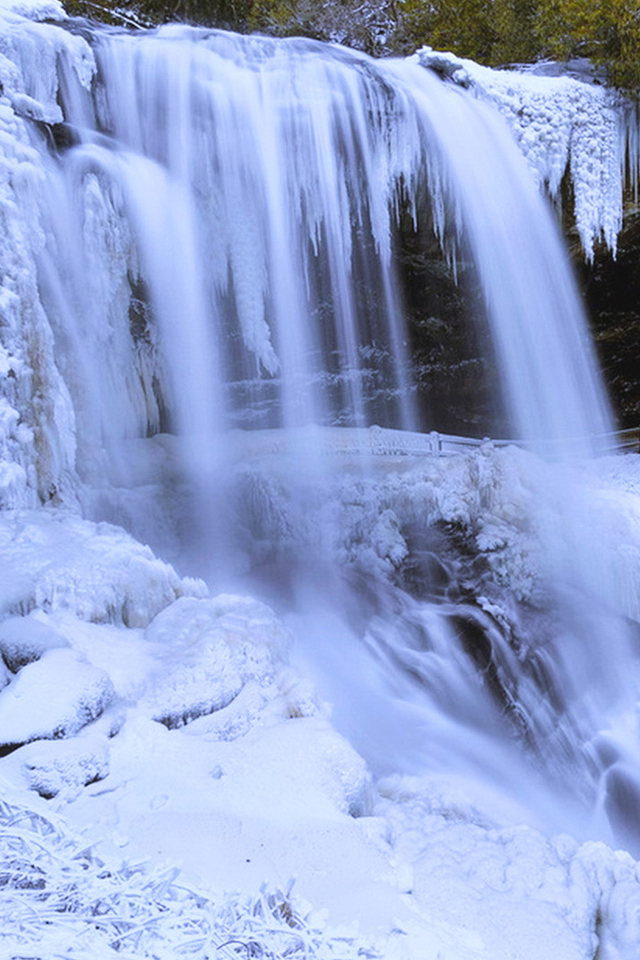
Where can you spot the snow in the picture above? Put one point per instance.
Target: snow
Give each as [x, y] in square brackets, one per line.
[58, 897]
[55, 561]
[52, 698]
[563, 126]
[262, 789]
[172, 727]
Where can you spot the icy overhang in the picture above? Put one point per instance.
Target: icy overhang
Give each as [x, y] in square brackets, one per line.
[562, 125]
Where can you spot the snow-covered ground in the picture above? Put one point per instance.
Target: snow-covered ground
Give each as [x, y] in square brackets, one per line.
[169, 728]
[148, 727]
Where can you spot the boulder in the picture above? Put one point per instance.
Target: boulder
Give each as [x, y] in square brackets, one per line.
[25, 639]
[206, 651]
[52, 698]
[52, 766]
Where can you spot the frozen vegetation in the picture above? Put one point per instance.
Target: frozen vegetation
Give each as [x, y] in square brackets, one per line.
[60, 899]
[167, 768]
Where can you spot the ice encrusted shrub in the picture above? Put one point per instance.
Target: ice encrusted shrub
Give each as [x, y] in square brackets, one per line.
[58, 899]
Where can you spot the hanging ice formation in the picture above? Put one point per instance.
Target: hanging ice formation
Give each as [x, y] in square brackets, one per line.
[563, 126]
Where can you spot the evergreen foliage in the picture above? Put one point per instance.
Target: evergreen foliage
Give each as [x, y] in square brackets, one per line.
[493, 32]
[496, 32]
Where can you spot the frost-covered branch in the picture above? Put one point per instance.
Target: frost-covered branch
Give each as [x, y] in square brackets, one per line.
[58, 896]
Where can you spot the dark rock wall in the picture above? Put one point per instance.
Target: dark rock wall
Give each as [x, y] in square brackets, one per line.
[611, 288]
[450, 349]
[453, 367]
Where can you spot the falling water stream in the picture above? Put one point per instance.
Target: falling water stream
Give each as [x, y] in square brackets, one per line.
[220, 275]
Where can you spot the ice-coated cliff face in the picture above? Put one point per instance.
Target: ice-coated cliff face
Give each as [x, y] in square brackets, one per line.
[37, 422]
[564, 127]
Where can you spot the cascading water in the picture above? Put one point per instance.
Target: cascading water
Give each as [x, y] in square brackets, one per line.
[260, 181]
[219, 275]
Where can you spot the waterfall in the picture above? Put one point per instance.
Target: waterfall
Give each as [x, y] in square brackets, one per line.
[217, 263]
[252, 188]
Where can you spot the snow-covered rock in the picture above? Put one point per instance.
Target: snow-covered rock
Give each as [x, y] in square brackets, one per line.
[207, 650]
[34, 9]
[57, 562]
[525, 895]
[52, 698]
[25, 639]
[234, 720]
[52, 766]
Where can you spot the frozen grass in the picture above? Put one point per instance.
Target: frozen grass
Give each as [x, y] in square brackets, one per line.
[57, 899]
